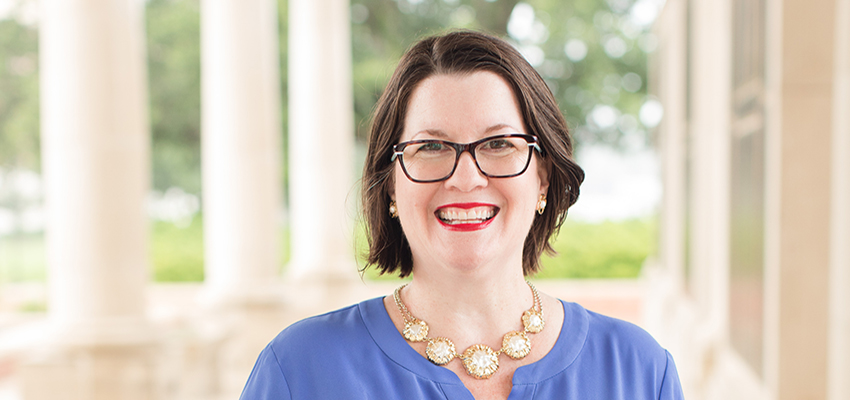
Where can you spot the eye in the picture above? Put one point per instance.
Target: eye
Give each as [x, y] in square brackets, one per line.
[432, 147]
[435, 149]
[497, 145]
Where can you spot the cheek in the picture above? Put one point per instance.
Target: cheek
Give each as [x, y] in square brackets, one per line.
[527, 202]
[403, 192]
[407, 195]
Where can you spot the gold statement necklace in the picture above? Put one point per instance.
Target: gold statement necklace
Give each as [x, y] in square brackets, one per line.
[479, 360]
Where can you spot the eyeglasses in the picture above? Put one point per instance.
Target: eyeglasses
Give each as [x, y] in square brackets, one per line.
[430, 160]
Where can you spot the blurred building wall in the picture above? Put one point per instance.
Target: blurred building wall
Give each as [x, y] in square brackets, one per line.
[755, 218]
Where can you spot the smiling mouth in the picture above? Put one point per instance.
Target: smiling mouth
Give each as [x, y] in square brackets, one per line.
[459, 216]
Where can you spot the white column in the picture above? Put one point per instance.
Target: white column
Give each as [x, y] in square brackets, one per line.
[839, 331]
[321, 141]
[671, 86]
[667, 311]
[710, 159]
[95, 151]
[800, 38]
[241, 148]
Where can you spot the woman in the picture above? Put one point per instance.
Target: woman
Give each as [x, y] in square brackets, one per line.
[468, 174]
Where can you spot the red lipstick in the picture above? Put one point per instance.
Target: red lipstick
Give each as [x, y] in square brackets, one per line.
[473, 224]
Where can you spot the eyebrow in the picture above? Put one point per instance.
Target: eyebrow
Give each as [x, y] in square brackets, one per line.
[434, 132]
[498, 127]
[442, 135]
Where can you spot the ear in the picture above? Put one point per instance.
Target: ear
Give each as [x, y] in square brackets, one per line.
[391, 185]
[543, 167]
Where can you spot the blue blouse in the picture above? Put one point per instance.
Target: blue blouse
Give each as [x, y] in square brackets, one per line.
[357, 353]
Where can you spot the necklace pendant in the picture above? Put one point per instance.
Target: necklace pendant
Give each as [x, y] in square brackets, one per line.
[480, 361]
[415, 330]
[440, 351]
[533, 321]
[516, 345]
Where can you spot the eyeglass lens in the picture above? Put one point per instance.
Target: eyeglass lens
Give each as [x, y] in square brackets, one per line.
[435, 159]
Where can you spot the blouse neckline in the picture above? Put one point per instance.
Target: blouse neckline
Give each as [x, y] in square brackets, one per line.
[570, 341]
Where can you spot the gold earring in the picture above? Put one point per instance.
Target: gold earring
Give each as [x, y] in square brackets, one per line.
[393, 209]
[541, 204]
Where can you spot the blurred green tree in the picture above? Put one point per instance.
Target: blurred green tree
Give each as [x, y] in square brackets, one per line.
[174, 76]
[592, 53]
[19, 127]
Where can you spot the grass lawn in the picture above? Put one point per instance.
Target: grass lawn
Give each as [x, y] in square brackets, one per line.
[601, 250]
[592, 250]
[22, 258]
[585, 250]
[177, 253]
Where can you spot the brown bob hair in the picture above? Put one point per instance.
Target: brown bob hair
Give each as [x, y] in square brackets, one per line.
[465, 52]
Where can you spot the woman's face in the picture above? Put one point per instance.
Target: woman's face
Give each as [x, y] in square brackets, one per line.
[468, 221]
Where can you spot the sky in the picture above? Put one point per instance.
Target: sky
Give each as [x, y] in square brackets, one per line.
[618, 184]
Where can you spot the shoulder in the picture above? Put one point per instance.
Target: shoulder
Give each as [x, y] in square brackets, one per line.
[296, 357]
[334, 354]
[628, 355]
[625, 336]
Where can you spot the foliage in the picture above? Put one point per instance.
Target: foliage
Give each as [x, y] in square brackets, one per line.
[174, 75]
[585, 250]
[592, 54]
[36, 306]
[601, 250]
[177, 253]
[22, 258]
[383, 29]
[19, 127]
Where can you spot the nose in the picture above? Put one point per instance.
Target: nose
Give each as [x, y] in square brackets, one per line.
[467, 176]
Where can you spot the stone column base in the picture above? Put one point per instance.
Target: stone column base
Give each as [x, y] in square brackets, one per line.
[247, 329]
[186, 361]
[100, 372]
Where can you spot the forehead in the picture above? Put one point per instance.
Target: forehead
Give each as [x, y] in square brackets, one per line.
[462, 106]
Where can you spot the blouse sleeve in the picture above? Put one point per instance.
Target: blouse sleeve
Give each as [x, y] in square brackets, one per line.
[267, 381]
[671, 388]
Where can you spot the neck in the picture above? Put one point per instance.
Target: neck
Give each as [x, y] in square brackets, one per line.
[469, 303]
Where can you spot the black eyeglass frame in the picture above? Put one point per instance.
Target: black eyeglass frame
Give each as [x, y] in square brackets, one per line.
[398, 152]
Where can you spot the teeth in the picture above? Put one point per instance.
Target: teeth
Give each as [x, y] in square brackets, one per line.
[472, 216]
